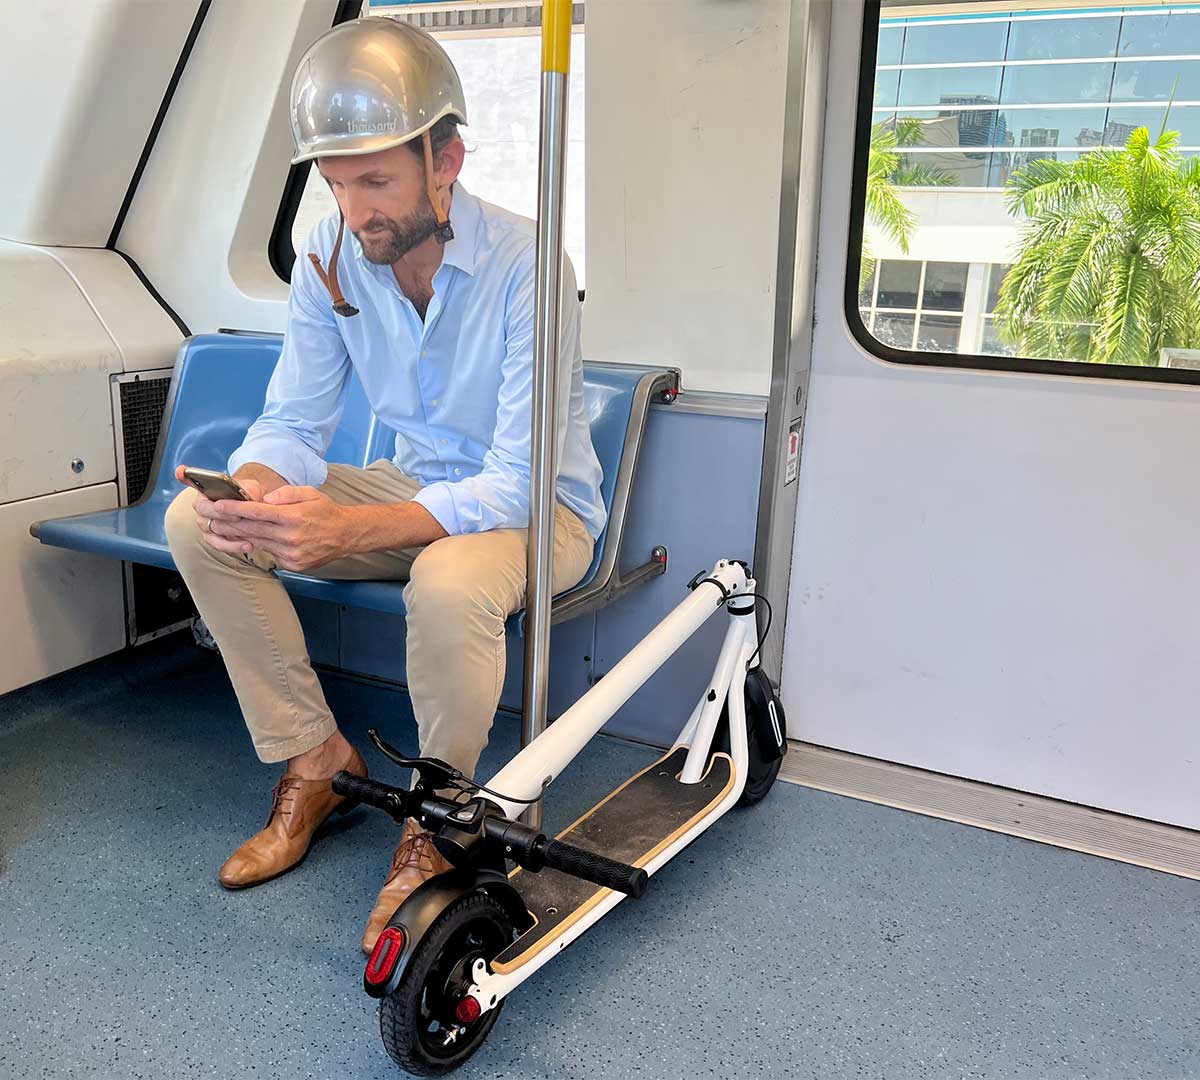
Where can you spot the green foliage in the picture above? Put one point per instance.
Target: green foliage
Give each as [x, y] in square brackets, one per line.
[887, 170]
[1109, 255]
[884, 208]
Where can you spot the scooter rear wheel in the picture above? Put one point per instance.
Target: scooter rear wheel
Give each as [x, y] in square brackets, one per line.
[420, 1030]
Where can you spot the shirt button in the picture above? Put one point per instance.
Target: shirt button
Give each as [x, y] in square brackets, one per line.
[458, 472]
[434, 401]
[442, 441]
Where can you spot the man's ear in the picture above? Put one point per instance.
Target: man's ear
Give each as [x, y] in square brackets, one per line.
[450, 162]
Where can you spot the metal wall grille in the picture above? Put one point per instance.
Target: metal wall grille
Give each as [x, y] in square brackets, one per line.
[472, 18]
[142, 405]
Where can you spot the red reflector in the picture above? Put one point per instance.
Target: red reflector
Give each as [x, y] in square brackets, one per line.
[468, 1010]
[384, 956]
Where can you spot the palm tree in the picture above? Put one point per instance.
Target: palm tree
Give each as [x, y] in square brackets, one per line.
[1109, 259]
[884, 209]
[887, 170]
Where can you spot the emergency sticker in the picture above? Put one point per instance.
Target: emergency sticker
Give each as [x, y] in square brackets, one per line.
[792, 466]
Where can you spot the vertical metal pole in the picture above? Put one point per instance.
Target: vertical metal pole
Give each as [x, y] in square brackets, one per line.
[543, 452]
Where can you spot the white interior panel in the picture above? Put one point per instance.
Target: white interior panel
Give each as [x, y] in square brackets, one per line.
[55, 362]
[993, 572]
[61, 608]
[684, 146]
[144, 333]
[201, 222]
[75, 124]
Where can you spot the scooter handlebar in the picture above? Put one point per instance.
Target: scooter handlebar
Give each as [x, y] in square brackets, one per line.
[526, 846]
[363, 790]
[598, 869]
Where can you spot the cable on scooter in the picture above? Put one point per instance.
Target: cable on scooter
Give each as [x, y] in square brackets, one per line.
[726, 597]
[766, 629]
[470, 787]
[443, 774]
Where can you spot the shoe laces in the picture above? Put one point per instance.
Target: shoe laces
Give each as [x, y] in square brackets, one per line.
[283, 792]
[416, 850]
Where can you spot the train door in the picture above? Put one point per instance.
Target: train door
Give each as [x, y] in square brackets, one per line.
[991, 563]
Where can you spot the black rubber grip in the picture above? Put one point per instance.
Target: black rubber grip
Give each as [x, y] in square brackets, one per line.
[371, 792]
[597, 869]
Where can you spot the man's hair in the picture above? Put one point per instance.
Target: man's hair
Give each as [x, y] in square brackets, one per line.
[441, 135]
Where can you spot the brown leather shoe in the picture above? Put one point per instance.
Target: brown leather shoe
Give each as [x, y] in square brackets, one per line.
[415, 862]
[298, 807]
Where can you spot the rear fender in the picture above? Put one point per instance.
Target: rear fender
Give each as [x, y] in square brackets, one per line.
[426, 902]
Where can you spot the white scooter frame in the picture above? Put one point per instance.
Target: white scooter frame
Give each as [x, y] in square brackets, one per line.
[525, 776]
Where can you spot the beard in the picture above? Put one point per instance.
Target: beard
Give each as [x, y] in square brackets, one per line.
[399, 238]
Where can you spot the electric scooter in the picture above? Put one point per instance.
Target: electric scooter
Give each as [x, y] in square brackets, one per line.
[464, 940]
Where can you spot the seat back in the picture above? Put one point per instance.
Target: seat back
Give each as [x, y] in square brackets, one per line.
[608, 396]
[220, 385]
[221, 382]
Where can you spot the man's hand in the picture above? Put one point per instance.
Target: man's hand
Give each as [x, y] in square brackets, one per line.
[300, 526]
[207, 516]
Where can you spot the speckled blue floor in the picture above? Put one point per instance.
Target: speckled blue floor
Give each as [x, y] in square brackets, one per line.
[814, 936]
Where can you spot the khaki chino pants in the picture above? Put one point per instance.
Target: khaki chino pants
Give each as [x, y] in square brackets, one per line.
[460, 591]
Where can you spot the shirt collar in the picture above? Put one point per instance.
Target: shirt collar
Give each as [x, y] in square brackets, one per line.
[459, 252]
[464, 217]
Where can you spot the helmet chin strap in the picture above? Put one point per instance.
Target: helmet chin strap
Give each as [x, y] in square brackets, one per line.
[443, 234]
[330, 279]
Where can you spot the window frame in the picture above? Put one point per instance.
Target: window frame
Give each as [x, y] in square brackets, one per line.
[281, 253]
[857, 226]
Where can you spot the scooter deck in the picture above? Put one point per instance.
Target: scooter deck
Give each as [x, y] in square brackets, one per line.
[646, 814]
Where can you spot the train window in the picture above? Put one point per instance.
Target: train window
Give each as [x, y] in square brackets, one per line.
[497, 51]
[1027, 186]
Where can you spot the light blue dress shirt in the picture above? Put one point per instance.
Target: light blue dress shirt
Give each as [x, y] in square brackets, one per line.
[457, 388]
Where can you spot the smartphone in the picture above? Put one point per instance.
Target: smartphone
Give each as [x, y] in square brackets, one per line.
[215, 485]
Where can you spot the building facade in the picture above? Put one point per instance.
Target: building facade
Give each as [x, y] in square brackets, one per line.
[973, 97]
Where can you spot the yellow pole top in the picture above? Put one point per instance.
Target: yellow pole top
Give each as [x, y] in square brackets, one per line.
[556, 35]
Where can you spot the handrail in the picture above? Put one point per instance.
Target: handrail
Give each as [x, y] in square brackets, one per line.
[608, 582]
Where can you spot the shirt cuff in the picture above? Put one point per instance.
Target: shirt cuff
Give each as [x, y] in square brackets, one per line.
[438, 499]
[294, 461]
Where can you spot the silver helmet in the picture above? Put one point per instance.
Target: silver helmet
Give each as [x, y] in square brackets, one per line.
[365, 86]
[368, 85]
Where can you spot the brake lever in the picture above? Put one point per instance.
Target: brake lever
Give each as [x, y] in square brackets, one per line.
[432, 773]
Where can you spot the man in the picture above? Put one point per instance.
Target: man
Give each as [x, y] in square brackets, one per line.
[431, 302]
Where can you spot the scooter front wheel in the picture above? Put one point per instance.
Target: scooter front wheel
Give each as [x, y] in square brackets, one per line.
[420, 1029]
[762, 766]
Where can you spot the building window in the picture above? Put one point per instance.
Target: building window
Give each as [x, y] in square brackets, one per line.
[915, 305]
[992, 342]
[497, 53]
[985, 83]
[1005, 141]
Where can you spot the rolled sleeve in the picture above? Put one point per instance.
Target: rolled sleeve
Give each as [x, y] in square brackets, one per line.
[439, 500]
[282, 453]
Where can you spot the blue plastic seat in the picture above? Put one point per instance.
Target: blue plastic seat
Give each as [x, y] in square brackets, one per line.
[217, 391]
